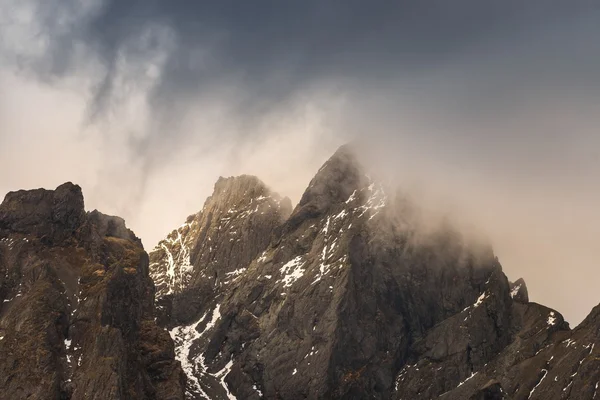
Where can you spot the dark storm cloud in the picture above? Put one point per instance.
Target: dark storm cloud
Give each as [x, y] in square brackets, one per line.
[271, 47]
[492, 103]
[449, 55]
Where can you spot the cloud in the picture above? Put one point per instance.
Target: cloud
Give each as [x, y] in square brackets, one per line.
[492, 108]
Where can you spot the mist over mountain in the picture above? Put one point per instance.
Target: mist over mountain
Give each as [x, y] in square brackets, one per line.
[330, 199]
[492, 107]
[358, 291]
[361, 292]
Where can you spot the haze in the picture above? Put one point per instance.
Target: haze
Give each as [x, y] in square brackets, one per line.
[490, 109]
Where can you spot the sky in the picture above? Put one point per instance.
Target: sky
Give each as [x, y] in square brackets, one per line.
[490, 109]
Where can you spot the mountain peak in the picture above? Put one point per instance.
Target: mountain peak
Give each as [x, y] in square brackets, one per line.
[216, 244]
[111, 226]
[236, 191]
[335, 182]
[76, 301]
[337, 178]
[54, 215]
[354, 294]
[518, 291]
[349, 297]
[241, 184]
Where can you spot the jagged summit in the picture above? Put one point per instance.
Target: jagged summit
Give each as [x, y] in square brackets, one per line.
[76, 305]
[518, 291]
[239, 189]
[112, 226]
[346, 298]
[335, 182]
[53, 215]
[214, 245]
[337, 263]
[243, 191]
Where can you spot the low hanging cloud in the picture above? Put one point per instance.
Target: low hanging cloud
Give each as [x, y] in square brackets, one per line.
[491, 110]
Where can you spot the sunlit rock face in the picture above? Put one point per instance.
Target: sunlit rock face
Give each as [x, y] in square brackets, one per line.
[76, 310]
[206, 255]
[348, 297]
[352, 294]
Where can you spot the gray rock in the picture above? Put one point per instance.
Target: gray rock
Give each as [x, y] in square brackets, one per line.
[346, 296]
[76, 310]
[350, 299]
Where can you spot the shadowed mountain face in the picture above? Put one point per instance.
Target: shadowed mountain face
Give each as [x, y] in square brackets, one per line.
[76, 310]
[348, 297]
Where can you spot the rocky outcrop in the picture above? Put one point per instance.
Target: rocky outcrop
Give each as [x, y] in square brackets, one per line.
[52, 216]
[351, 295]
[202, 261]
[202, 258]
[351, 298]
[337, 301]
[76, 310]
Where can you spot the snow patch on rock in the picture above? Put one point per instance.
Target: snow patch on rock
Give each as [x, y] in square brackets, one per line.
[292, 271]
[551, 319]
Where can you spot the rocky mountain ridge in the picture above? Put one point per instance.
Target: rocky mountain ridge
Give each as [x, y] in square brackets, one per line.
[348, 299]
[345, 296]
[76, 305]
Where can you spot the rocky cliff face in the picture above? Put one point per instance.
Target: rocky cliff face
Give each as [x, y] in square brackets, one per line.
[76, 305]
[349, 298]
[350, 295]
[203, 260]
[207, 254]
